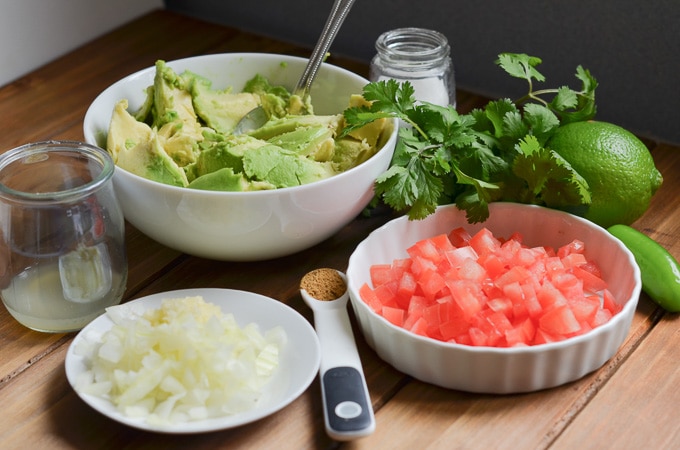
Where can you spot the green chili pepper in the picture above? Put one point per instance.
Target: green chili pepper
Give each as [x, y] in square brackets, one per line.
[659, 270]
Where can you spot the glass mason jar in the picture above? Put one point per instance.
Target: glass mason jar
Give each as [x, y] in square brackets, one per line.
[62, 247]
[420, 56]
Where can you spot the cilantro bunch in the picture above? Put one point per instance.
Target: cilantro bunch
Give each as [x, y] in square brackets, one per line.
[497, 153]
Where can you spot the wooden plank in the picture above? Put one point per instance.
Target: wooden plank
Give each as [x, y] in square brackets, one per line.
[637, 408]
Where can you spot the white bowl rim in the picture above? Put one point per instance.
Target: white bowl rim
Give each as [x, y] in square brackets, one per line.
[629, 305]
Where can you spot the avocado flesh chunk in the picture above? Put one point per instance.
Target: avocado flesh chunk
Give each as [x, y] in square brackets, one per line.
[276, 127]
[180, 141]
[221, 180]
[172, 100]
[135, 147]
[316, 143]
[283, 168]
[173, 115]
[218, 152]
[273, 99]
[350, 153]
[221, 110]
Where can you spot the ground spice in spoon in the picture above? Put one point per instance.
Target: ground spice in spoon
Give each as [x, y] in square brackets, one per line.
[323, 284]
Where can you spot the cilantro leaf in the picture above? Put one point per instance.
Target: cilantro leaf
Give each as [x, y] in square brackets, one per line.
[390, 96]
[542, 122]
[412, 188]
[549, 177]
[521, 65]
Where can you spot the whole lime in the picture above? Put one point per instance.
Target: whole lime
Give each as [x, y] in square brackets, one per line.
[617, 166]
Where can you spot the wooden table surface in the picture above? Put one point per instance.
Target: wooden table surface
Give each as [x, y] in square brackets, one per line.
[631, 402]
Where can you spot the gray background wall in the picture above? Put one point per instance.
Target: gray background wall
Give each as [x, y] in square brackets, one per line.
[631, 46]
[34, 32]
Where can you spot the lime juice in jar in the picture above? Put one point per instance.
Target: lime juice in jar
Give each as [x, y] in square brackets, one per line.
[62, 249]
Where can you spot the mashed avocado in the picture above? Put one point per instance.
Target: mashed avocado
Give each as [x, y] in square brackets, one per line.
[182, 135]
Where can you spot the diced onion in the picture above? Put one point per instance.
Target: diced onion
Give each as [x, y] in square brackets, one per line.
[186, 360]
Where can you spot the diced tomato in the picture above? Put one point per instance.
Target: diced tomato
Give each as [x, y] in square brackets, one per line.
[426, 249]
[493, 265]
[511, 247]
[417, 306]
[591, 283]
[516, 236]
[406, 289]
[517, 274]
[574, 246]
[457, 256]
[531, 303]
[459, 237]
[455, 325]
[484, 242]
[609, 302]
[601, 317]
[593, 268]
[420, 265]
[521, 334]
[499, 321]
[434, 314]
[401, 265]
[486, 290]
[368, 296]
[526, 257]
[471, 270]
[394, 315]
[568, 284]
[574, 260]
[386, 294]
[442, 243]
[477, 336]
[381, 274]
[431, 283]
[585, 308]
[549, 296]
[559, 321]
[543, 337]
[419, 327]
[465, 295]
[553, 265]
[502, 305]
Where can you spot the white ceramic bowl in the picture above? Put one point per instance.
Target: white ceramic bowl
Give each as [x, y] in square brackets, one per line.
[490, 369]
[242, 226]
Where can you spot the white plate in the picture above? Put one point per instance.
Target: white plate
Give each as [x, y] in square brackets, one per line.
[298, 366]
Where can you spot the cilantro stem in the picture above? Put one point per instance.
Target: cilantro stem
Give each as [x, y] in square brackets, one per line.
[415, 125]
[535, 95]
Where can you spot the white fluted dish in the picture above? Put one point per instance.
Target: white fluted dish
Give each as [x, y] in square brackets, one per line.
[490, 369]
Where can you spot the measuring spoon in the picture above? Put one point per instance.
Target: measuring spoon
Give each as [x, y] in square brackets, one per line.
[348, 413]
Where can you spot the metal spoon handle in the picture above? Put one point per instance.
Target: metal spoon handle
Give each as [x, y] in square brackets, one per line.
[335, 19]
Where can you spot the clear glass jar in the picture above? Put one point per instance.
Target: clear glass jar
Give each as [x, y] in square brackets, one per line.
[62, 247]
[420, 56]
